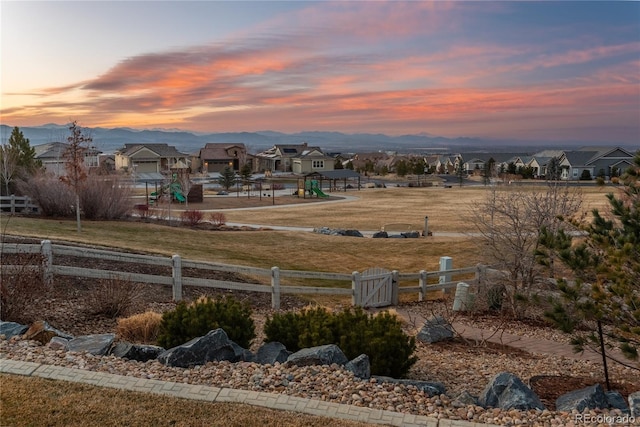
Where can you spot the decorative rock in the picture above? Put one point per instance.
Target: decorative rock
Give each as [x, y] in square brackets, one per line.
[353, 233]
[141, 353]
[432, 388]
[98, 345]
[616, 401]
[215, 346]
[320, 355]
[380, 235]
[411, 235]
[42, 332]
[360, 367]
[246, 355]
[506, 391]
[435, 329]
[591, 397]
[634, 404]
[272, 352]
[10, 329]
[58, 343]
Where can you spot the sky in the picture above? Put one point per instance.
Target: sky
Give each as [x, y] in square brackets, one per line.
[535, 71]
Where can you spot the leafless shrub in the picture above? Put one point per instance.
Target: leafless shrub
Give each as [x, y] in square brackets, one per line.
[113, 297]
[140, 328]
[105, 197]
[510, 222]
[48, 192]
[217, 218]
[192, 217]
[21, 283]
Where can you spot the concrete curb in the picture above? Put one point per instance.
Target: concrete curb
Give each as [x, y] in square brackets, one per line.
[215, 394]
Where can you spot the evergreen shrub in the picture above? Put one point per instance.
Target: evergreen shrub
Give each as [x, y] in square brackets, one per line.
[380, 337]
[189, 321]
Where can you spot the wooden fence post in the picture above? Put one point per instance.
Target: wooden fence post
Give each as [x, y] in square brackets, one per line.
[356, 298]
[394, 287]
[13, 204]
[47, 262]
[275, 288]
[177, 277]
[423, 285]
[481, 271]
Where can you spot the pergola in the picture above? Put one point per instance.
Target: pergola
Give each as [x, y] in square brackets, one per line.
[333, 176]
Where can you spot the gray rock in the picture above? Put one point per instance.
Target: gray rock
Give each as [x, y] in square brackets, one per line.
[98, 344]
[272, 352]
[139, 352]
[215, 346]
[246, 355]
[591, 397]
[353, 233]
[380, 235]
[320, 355]
[432, 388]
[507, 391]
[634, 404]
[616, 401]
[435, 329]
[360, 367]
[11, 329]
[411, 235]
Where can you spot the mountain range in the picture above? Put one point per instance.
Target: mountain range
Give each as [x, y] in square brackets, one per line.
[110, 140]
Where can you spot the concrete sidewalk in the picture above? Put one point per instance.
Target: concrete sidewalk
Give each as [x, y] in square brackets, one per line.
[204, 393]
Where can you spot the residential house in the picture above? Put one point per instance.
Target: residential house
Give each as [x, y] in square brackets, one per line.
[595, 160]
[214, 157]
[51, 155]
[312, 160]
[279, 158]
[150, 158]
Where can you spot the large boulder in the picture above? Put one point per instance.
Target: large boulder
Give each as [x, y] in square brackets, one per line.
[98, 344]
[615, 400]
[507, 391]
[380, 235]
[634, 404]
[11, 329]
[272, 352]
[215, 346]
[435, 329]
[42, 332]
[139, 352]
[591, 397]
[411, 234]
[360, 367]
[320, 355]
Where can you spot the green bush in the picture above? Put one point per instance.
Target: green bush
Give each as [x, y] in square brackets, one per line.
[188, 321]
[354, 331]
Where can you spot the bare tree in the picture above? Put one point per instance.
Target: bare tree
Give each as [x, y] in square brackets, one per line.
[74, 164]
[8, 165]
[510, 222]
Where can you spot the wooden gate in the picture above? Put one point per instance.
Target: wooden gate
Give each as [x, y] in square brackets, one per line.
[374, 288]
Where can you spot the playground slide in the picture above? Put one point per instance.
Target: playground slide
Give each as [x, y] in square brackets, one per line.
[179, 197]
[319, 192]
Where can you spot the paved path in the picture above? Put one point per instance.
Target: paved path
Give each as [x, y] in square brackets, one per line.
[204, 393]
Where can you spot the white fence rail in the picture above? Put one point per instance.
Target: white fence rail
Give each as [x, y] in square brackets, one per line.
[15, 204]
[177, 280]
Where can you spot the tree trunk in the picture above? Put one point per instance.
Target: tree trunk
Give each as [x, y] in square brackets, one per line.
[78, 213]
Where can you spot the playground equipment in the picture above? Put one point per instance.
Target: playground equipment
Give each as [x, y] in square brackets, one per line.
[313, 188]
[173, 189]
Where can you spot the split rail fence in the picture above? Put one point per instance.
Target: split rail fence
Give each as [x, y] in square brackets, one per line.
[49, 252]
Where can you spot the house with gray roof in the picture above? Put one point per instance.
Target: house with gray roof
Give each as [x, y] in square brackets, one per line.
[596, 160]
[279, 158]
[150, 158]
[51, 155]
